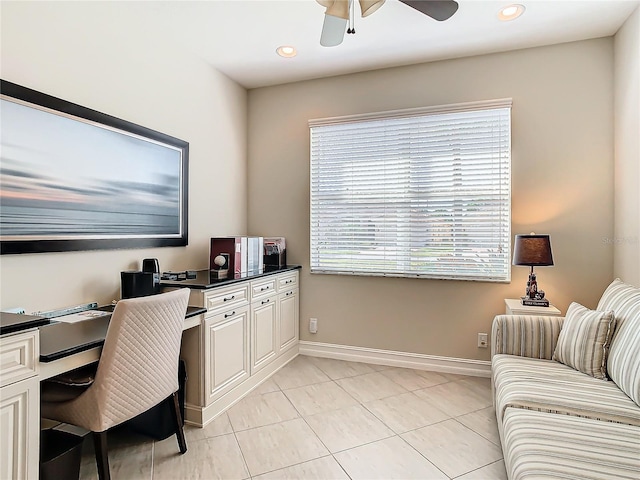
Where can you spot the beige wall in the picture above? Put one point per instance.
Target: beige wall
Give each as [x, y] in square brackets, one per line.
[626, 239]
[84, 52]
[562, 185]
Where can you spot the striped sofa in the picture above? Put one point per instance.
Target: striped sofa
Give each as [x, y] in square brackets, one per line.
[557, 422]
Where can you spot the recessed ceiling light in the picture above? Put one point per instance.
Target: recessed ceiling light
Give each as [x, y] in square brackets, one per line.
[286, 51]
[511, 12]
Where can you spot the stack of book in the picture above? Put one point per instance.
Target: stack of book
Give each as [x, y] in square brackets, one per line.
[245, 255]
[534, 302]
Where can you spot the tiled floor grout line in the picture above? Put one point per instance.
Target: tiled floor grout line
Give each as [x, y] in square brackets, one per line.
[244, 460]
[475, 469]
[362, 404]
[334, 381]
[419, 453]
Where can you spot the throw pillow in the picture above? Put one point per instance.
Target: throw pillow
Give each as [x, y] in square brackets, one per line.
[624, 357]
[584, 339]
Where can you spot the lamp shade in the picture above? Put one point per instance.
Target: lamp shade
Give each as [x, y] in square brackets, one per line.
[532, 250]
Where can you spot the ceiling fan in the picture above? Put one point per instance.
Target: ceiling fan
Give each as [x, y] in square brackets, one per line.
[339, 12]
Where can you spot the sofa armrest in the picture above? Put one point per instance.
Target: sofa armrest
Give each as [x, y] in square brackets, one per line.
[525, 335]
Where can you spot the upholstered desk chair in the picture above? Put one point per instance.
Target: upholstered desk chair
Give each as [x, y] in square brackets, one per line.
[138, 369]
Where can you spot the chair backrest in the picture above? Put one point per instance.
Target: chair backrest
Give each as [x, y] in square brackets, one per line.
[138, 366]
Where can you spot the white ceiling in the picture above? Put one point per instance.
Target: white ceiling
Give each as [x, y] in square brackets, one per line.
[239, 37]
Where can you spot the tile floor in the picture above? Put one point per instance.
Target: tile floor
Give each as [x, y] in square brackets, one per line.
[320, 418]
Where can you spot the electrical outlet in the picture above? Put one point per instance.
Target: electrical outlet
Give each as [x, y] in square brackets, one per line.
[313, 325]
[483, 340]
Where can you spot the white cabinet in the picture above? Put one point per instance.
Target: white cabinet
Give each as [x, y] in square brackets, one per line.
[264, 322]
[264, 332]
[289, 325]
[226, 351]
[19, 405]
[249, 331]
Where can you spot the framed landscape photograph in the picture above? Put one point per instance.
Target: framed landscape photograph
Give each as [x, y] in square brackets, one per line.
[72, 178]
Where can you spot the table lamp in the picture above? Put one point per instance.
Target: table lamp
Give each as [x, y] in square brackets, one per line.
[534, 251]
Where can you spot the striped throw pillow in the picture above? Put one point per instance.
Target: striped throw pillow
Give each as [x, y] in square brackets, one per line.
[584, 340]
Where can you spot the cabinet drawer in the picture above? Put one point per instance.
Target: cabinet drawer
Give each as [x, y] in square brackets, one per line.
[263, 288]
[288, 281]
[226, 298]
[18, 357]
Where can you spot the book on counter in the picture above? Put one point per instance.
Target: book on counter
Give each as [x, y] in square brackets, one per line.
[245, 254]
[255, 255]
[233, 248]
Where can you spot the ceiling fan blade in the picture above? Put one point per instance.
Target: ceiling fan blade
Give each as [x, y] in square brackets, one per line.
[333, 30]
[437, 9]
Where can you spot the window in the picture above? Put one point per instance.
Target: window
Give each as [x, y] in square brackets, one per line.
[413, 193]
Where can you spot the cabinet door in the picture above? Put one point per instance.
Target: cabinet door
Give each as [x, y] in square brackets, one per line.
[226, 351]
[289, 323]
[20, 429]
[264, 347]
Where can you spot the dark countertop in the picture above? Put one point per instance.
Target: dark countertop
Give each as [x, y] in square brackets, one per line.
[204, 280]
[59, 339]
[13, 322]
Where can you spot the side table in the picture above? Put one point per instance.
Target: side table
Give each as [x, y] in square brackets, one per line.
[515, 307]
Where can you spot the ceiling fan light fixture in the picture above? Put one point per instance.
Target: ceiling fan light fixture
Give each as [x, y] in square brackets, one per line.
[367, 7]
[511, 12]
[338, 8]
[286, 51]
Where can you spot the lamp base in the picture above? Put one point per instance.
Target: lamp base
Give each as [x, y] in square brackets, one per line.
[534, 302]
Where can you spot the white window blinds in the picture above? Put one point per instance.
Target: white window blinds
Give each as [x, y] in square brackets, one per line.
[415, 193]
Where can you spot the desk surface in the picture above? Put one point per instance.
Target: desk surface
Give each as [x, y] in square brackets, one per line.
[204, 279]
[59, 340]
[12, 322]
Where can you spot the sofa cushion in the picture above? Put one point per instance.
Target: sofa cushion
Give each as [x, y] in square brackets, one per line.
[623, 299]
[583, 342]
[541, 445]
[624, 359]
[624, 355]
[548, 386]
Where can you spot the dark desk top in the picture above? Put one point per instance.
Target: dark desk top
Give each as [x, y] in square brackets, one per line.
[12, 322]
[204, 280]
[59, 339]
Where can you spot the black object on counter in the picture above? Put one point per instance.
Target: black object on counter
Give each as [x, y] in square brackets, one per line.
[137, 284]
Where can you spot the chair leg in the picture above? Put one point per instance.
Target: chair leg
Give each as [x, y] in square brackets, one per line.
[177, 420]
[102, 458]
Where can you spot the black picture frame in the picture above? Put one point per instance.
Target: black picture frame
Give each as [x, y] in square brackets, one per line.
[73, 178]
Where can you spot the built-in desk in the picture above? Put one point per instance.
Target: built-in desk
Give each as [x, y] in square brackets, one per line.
[33, 349]
[237, 333]
[59, 339]
[65, 346]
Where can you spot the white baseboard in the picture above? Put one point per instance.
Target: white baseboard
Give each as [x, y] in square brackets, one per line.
[418, 361]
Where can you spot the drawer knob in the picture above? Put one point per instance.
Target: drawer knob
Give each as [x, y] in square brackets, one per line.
[264, 288]
[226, 299]
[227, 315]
[266, 301]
